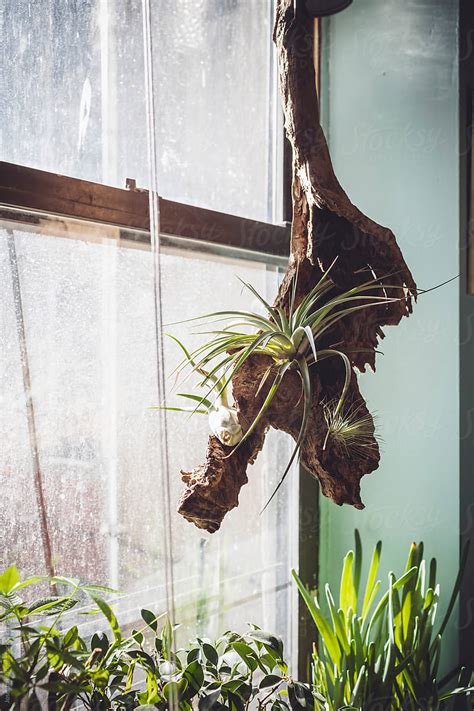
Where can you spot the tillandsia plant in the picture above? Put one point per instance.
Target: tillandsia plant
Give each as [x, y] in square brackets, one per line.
[382, 651]
[350, 426]
[46, 664]
[295, 339]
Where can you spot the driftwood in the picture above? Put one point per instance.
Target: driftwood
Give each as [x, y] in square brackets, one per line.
[325, 225]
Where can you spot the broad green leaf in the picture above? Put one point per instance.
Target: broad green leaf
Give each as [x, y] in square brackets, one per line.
[109, 614]
[71, 636]
[150, 619]
[31, 581]
[210, 653]
[270, 680]
[194, 675]
[9, 579]
[269, 661]
[138, 636]
[247, 654]
[192, 655]
[51, 604]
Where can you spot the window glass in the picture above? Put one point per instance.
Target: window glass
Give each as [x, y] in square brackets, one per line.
[74, 96]
[88, 315]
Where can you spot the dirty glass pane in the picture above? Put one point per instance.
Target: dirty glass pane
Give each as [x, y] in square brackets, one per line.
[215, 97]
[73, 99]
[87, 309]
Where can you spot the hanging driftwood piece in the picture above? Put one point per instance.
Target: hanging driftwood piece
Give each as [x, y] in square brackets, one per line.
[327, 229]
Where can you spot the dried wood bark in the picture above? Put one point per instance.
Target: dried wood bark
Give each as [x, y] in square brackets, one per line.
[326, 226]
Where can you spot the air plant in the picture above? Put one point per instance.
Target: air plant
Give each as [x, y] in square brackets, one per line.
[350, 427]
[294, 339]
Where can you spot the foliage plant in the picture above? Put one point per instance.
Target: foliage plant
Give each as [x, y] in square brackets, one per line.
[297, 338]
[382, 651]
[46, 664]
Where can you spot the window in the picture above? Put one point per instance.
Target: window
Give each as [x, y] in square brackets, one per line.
[78, 350]
[87, 311]
[74, 99]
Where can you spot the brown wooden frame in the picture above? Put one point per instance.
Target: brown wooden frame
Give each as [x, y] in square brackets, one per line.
[37, 190]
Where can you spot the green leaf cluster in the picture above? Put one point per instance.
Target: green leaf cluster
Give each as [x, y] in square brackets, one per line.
[382, 650]
[44, 663]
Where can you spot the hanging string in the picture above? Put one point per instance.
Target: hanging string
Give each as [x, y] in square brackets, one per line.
[157, 286]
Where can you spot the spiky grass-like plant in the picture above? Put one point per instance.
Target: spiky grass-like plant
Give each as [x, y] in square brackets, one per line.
[381, 649]
[294, 340]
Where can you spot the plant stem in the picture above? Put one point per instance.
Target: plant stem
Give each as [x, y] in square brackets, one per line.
[53, 625]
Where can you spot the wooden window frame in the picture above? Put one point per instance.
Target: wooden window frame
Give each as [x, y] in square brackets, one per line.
[32, 190]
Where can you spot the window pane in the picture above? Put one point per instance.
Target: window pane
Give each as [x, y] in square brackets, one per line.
[88, 314]
[215, 103]
[74, 96]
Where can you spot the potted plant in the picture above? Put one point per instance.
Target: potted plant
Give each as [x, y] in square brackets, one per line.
[381, 649]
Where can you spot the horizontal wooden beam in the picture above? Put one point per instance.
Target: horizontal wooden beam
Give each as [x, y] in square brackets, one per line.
[37, 190]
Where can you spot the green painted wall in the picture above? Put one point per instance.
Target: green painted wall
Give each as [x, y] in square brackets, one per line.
[390, 105]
